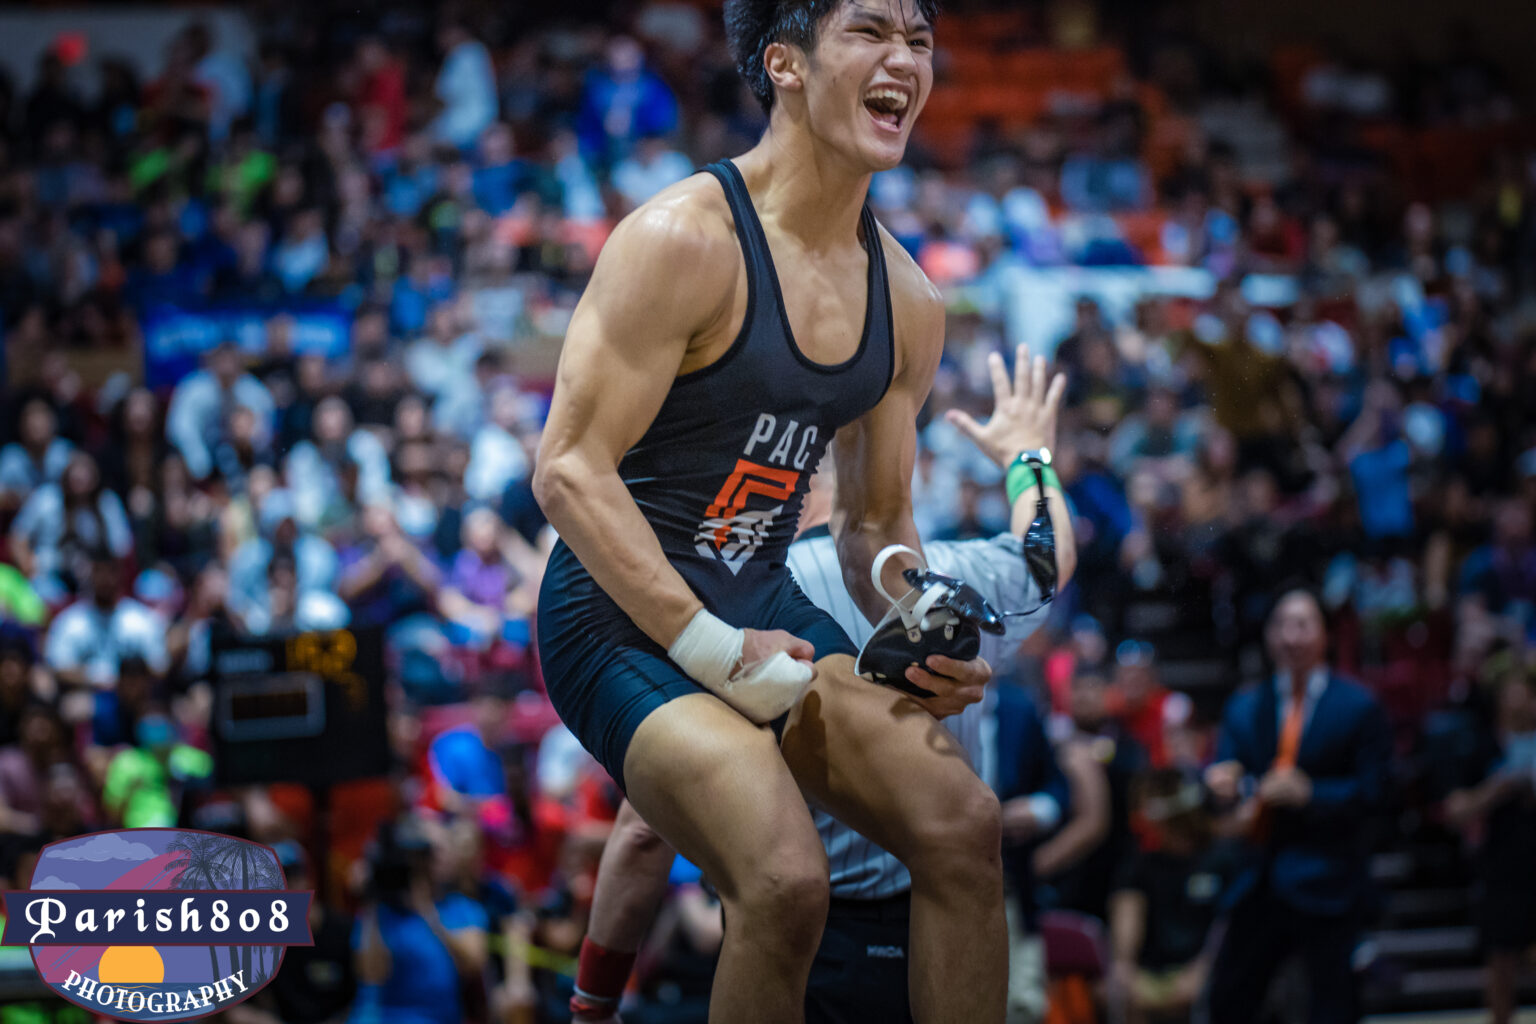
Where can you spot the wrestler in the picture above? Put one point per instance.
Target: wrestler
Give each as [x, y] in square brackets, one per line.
[733, 325]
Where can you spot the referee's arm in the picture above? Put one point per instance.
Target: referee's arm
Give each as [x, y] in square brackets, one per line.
[1024, 419]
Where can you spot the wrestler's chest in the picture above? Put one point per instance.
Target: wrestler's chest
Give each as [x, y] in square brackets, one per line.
[825, 302]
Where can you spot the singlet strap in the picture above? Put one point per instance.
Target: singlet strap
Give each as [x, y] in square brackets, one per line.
[882, 319]
[754, 244]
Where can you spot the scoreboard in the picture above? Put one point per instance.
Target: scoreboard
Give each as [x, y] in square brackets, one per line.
[305, 707]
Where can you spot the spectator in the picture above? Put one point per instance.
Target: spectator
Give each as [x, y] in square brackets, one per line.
[1502, 574]
[197, 416]
[1505, 803]
[316, 983]
[119, 709]
[20, 604]
[285, 608]
[222, 75]
[302, 253]
[518, 507]
[165, 279]
[25, 770]
[484, 594]
[1034, 795]
[314, 560]
[1164, 906]
[131, 466]
[380, 99]
[496, 455]
[1306, 753]
[145, 784]
[242, 450]
[39, 457]
[1145, 710]
[622, 101]
[414, 946]
[651, 167]
[443, 362]
[418, 486]
[317, 467]
[387, 579]
[61, 524]
[88, 641]
[19, 685]
[52, 99]
[500, 177]
[1079, 863]
[1157, 435]
[466, 86]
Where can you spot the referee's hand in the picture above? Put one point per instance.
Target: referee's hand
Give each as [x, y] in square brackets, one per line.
[1024, 409]
[955, 684]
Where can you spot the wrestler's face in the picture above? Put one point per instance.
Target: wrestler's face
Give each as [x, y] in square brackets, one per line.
[867, 78]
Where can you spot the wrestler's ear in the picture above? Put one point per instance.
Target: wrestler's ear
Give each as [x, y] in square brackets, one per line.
[785, 64]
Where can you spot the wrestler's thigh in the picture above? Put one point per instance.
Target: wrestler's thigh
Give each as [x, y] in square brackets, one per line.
[716, 788]
[875, 760]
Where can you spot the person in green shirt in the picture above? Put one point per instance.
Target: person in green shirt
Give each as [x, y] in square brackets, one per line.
[144, 784]
[19, 603]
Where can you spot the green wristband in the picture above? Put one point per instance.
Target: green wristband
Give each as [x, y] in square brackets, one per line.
[1022, 476]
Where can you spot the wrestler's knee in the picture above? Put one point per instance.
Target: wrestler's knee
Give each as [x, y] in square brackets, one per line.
[785, 898]
[956, 840]
[637, 842]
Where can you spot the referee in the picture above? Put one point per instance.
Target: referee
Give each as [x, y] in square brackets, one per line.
[860, 972]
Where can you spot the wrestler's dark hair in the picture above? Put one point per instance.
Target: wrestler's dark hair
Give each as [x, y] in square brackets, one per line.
[750, 25]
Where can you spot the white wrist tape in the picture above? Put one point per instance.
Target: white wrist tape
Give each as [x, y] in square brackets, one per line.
[710, 652]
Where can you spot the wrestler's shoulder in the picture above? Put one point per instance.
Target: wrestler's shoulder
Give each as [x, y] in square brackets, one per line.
[689, 224]
[911, 290]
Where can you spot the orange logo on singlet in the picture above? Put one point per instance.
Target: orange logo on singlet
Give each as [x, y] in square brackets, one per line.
[731, 531]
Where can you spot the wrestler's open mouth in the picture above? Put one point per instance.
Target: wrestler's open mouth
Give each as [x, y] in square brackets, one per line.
[887, 106]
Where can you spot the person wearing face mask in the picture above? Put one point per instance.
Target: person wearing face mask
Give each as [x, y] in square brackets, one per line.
[145, 784]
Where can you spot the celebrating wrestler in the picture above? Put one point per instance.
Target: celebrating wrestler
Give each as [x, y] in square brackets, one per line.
[734, 324]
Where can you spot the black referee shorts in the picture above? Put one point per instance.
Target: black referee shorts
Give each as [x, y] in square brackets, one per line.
[860, 973]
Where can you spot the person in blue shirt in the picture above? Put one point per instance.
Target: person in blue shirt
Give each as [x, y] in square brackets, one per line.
[623, 100]
[413, 946]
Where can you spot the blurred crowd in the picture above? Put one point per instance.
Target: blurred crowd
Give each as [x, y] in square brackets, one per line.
[1347, 403]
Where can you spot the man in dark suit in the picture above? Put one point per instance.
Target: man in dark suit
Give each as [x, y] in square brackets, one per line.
[1303, 760]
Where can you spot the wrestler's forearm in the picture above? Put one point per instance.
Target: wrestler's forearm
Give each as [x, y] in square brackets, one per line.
[591, 509]
[859, 541]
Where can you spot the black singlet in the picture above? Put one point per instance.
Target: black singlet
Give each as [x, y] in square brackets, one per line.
[722, 471]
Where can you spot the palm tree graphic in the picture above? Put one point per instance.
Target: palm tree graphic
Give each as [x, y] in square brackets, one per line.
[248, 866]
[201, 868]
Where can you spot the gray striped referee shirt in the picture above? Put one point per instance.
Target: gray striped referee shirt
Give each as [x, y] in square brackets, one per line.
[995, 567]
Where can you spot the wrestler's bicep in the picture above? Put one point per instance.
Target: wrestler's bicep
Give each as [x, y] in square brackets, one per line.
[658, 283]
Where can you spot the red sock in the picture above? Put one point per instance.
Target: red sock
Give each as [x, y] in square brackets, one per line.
[601, 975]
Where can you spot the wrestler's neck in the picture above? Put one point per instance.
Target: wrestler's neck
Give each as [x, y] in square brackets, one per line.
[802, 187]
